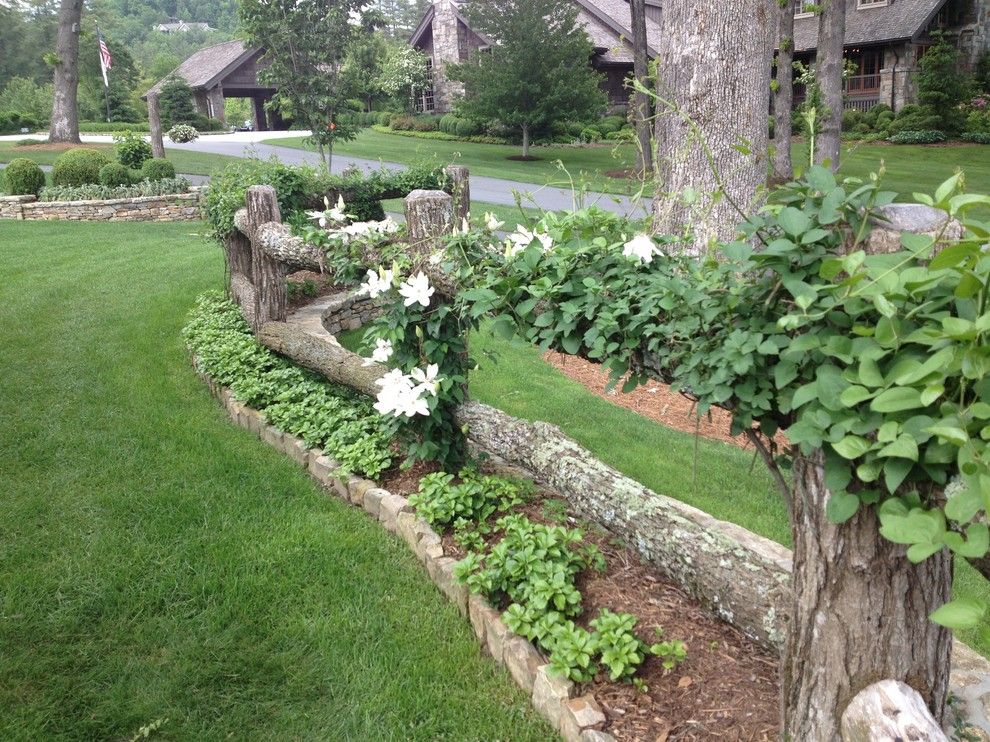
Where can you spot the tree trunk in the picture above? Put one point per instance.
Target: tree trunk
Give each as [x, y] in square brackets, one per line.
[525, 133]
[860, 615]
[783, 97]
[828, 73]
[641, 69]
[268, 274]
[713, 81]
[65, 114]
[155, 124]
[459, 179]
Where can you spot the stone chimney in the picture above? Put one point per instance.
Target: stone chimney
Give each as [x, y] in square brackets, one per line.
[449, 45]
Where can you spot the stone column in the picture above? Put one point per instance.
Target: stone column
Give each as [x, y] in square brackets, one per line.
[446, 49]
[201, 99]
[215, 99]
[260, 119]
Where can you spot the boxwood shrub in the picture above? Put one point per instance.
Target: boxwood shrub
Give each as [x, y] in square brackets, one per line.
[115, 174]
[157, 169]
[77, 167]
[23, 177]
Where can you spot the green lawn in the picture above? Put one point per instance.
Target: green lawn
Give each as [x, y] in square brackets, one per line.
[490, 159]
[185, 161]
[157, 562]
[910, 168]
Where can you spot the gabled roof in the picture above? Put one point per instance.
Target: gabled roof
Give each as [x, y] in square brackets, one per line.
[207, 67]
[896, 21]
[607, 23]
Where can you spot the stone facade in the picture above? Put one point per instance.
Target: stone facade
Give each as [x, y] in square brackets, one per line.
[349, 311]
[179, 207]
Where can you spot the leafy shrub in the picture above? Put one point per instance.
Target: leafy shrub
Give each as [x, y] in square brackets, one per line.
[927, 136]
[851, 118]
[610, 124]
[175, 100]
[448, 123]
[132, 149]
[978, 118]
[23, 177]
[337, 420]
[467, 128]
[591, 134]
[182, 133]
[96, 192]
[622, 135]
[77, 167]
[115, 174]
[979, 137]
[11, 122]
[914, 118]
[157, 168]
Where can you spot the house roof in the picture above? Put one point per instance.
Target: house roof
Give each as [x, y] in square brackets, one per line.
[896, 21]
[207, 67]
[607, 23]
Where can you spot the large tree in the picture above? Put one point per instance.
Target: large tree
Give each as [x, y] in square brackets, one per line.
[829, 66]
[306, 43]
[713, 82]
[783, 96]
[65, 114]
[537, 72]
[641, 70]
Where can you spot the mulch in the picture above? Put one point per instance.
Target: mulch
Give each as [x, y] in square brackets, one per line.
[54, 147]
[323, 287]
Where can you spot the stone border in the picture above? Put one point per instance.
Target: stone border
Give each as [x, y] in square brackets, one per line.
[176, 207]
[348, 310]
[575, 718]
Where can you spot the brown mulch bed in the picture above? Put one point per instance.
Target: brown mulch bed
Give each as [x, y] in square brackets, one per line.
[322, 286]
[653, 400]
[406, 481]
[726, 689]
[53, 147]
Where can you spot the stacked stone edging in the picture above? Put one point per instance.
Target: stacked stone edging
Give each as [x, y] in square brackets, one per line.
[176, 207]
[575, 718]
[349, 310]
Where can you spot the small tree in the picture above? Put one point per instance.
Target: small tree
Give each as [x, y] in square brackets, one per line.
[306, 43]
[538, 71]
[941, 86]
[176, 101]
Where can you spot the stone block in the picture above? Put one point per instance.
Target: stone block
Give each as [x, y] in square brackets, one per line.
[356, 489]
[405, 528]
[272, 436]
[430, 545]
[579, 714]
[443, 576]
[522, 660]
[550, 693]
[593, 735]
[296, 449]
[478, 610]
[224, 395]
[497, 635]
[322, 468]
[389, 509]
[234, 408]
[373, 500]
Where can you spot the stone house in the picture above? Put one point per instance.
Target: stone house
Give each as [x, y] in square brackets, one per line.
[886, 38]
[445, 36]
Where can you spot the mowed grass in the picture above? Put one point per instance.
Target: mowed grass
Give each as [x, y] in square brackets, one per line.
[511, 215]
[158, 563]
[186, 162]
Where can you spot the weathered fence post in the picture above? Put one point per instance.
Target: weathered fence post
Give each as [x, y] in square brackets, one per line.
[460, 189]
[889, 710]
[155, 122]
[268, 275]
[429, 216]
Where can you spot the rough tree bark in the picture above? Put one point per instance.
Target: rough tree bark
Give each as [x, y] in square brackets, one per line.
[783, 97]
[641, 69]
[889, 710]
[860, 614]
[65, 114]
[713, 80]
[828, 74]
[155, 124]
[460, 189]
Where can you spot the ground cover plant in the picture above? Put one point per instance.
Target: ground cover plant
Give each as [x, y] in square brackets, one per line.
[190, 576]
[94, 191]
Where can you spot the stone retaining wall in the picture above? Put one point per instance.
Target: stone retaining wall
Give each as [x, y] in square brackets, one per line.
[179, 207]
[349, 311]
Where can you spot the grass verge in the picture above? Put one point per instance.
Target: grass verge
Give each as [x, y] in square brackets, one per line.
[157, 562]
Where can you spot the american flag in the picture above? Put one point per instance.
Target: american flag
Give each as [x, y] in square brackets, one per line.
[106, 61]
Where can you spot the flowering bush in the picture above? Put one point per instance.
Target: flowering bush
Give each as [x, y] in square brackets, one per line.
[182, 133]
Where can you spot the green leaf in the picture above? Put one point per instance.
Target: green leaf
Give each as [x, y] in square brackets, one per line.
[947, 188]
[841, 506]
[961, 613]
[869, 373]
[896, 400]
[895, 471]
[917, 553]
[804, 394]
[936, 362]
[571, 344]
[793, 222]
[853, 395]
[964, 504]
[976, 543]
[951, 433]
[884, 306]
[784, 373]
[953, 255]
[852, 447]
[904, 447]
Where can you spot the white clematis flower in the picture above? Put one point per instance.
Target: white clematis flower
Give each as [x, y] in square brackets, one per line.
[523, 238]
[337, 213]
[417, 290]
[492, 223]
[377, 283]
[641, 247]
[399, 397]
[381, 353]
[426, 380]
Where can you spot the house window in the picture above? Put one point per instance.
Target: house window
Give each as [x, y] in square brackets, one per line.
[870, 3]
[805, 9]
[425, 100]
[865, 65]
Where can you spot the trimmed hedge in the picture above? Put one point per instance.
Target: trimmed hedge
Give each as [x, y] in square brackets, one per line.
[23, 177]
[115, 174]
[157, 169]
[77, 167]
[923, 136]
